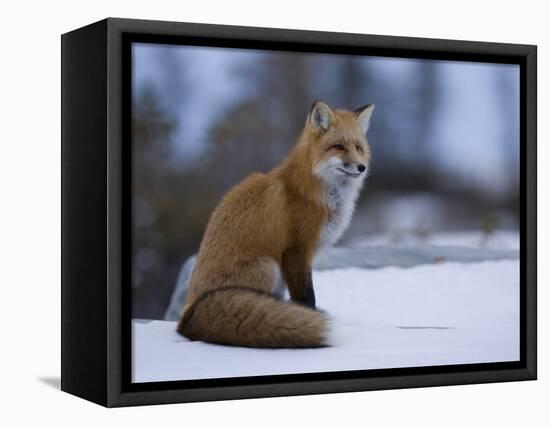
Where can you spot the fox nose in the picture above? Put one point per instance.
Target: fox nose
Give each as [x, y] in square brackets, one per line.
[361, 168]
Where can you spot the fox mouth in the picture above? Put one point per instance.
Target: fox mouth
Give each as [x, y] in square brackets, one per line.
[353, 175]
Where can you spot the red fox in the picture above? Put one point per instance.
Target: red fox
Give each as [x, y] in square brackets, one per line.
[264, 234]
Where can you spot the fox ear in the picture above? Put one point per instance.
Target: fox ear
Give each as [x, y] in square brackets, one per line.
[362, 115]
[320, 116]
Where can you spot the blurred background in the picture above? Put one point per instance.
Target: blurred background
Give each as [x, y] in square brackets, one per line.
[444, 140]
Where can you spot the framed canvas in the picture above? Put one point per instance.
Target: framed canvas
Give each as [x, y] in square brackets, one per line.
[254, 212]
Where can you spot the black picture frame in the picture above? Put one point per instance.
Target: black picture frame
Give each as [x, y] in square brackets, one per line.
[96, 225]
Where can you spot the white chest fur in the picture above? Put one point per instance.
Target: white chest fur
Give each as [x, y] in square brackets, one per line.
[341, 196]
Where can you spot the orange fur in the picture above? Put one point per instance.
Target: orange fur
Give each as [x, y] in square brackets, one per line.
[269, 222]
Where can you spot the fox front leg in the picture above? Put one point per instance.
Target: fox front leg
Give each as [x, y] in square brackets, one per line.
[310, 293]
[297, 273]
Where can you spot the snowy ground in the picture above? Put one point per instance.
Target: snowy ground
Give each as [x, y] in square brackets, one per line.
[449, 313]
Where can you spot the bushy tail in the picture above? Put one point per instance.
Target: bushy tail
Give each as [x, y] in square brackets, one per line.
[245, 317]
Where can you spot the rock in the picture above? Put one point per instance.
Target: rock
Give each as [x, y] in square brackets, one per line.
[180, 290]
[404, 256]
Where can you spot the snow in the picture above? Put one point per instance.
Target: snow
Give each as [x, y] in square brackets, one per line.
[439, 314]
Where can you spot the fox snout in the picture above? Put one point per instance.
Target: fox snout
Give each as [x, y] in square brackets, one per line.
[353, 170]
[360, 167]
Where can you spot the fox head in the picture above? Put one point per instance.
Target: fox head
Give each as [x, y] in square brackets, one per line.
[337, 142]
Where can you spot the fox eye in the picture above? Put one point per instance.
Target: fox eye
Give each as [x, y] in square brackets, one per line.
[359, 148]
[338, 147]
